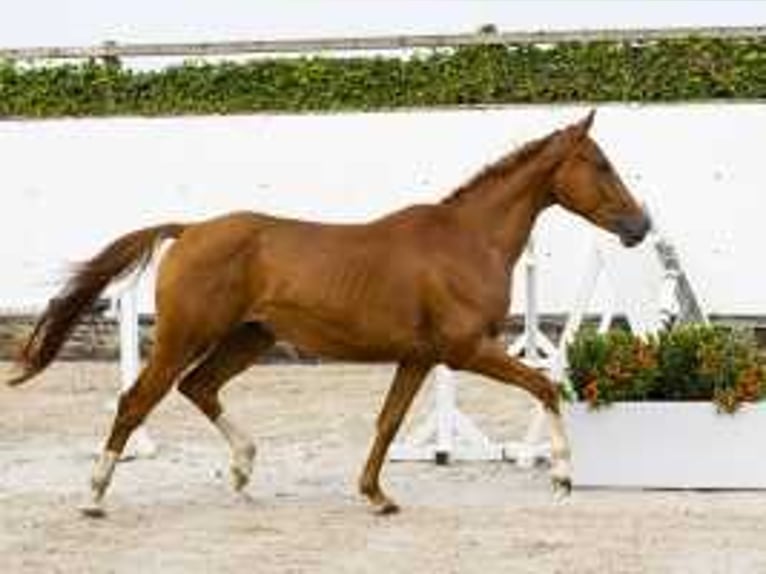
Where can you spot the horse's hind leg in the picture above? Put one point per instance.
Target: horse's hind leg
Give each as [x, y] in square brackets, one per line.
[153, 383]
[235, 352]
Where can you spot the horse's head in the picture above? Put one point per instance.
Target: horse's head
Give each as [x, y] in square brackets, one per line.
[586, 183]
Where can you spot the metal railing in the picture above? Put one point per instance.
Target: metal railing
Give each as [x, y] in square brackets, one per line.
[380, 43]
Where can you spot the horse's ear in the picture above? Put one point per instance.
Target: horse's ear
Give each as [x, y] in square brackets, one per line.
[562, 142]
[582, 127]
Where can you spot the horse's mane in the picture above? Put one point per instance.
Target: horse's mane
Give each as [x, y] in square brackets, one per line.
[498, 169]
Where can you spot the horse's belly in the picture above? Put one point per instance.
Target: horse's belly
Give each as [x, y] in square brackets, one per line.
[342, 336]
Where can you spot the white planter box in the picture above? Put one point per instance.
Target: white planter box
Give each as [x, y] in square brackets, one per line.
[667, 445]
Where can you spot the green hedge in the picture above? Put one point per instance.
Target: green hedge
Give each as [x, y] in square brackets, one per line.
[671, 70]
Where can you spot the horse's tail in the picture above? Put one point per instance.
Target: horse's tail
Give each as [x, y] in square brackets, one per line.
[126, 254]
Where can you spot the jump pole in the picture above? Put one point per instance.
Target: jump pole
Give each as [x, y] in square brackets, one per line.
[125, 301]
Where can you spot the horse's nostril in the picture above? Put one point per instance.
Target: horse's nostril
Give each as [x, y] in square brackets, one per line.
[632, 229]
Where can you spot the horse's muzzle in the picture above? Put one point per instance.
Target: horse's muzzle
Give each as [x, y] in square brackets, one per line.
[633, 228]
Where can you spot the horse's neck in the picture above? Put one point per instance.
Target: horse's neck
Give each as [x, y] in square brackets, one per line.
[505, 210]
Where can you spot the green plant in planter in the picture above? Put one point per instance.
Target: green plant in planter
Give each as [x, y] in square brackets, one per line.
[615, 366]
[689, 363]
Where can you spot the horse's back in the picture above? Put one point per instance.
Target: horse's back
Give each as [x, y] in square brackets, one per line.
[344, 290]
[349, 291]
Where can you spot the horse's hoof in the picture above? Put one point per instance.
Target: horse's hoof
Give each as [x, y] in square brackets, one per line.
[15, 375]
[239, 478]
[562, 486]
[93, 510]
[386, 508]
[242, 467]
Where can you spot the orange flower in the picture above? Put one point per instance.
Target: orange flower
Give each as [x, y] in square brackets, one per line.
[645, 357]
[749, 384]
[591, 392]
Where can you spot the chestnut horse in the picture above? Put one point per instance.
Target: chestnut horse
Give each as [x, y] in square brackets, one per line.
[425, 285]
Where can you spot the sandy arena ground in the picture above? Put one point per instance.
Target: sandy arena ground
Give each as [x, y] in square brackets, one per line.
[177, 514]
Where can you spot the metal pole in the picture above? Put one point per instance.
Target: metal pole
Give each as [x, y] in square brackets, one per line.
[392, 42]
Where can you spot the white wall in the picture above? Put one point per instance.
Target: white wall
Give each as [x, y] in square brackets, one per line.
[69, 186]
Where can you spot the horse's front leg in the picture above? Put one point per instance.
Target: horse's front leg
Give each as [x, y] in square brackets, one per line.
[489, 358]
[407, 381]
